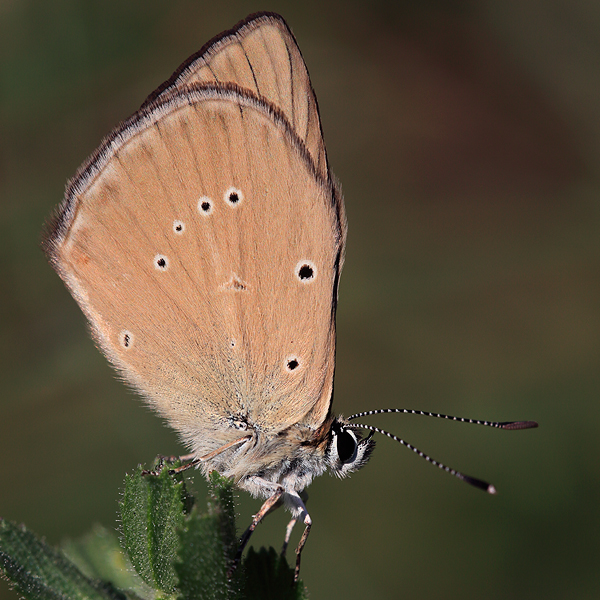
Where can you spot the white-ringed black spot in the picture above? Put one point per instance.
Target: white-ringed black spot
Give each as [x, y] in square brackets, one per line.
[306, 271]
[178, 227]
[291, 363]
[161, 262]
[233, 196]
[126, 339]
[205, 205]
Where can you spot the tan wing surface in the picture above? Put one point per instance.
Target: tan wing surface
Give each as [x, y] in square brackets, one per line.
[261, 54]
[183, 239]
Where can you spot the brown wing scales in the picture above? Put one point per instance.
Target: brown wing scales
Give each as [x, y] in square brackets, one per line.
[206, 319]
[261, 54]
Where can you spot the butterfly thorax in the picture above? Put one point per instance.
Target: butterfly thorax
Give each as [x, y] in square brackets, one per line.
[293, 457]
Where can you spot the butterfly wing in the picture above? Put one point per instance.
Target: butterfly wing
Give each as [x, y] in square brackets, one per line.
[205, 248]
[261, 54]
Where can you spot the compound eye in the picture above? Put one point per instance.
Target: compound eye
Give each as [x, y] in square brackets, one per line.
[346, 446]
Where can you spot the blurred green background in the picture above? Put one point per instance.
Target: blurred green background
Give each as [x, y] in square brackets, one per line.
[467, 139]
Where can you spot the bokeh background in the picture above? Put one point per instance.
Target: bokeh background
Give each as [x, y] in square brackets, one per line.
[467, 139]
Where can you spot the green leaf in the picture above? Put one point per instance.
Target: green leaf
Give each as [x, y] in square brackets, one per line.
[98, 555]
[152, 512]
[40, 572]
[208, 545]
[269, 577]
[177, 551]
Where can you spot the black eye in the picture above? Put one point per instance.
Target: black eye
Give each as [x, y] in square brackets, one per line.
[346, 446]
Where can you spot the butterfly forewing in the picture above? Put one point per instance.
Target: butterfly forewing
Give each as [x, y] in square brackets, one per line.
[261, 54]
[211, 268]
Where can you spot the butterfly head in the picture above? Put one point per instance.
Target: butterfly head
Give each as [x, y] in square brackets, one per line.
[347, 450]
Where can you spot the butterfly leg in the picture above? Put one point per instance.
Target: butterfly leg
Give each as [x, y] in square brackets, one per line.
[192, 458]
[288, 534]
[172, 458]
[162, 460]
[270, 504]
[308, 524]
[295, 502]
[290, 526]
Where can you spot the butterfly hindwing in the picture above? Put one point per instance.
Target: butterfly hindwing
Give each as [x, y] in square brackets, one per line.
[205, 248]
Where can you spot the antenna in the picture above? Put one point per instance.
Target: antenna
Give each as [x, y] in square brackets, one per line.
[478, 483]
[510, 425]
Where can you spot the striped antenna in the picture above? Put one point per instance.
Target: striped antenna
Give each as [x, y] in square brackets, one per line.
[478, 483]
[510, 425]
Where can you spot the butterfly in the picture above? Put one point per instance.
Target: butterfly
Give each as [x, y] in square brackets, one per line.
[204, 241]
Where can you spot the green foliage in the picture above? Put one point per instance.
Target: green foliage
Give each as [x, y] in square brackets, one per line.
[170, 550]
[209, 541]
[98, 555]
[269, 577]
[41, 572]
[152, 512]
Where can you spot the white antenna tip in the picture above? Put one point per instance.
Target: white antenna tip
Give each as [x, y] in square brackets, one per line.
[491, 489]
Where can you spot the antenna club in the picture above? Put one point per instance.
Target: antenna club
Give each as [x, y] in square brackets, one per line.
[491, 489]
[514, 425]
